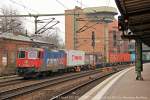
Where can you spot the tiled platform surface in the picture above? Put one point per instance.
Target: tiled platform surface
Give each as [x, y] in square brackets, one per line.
[122, 86]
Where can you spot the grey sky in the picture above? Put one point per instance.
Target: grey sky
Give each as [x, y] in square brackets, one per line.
[51, 6]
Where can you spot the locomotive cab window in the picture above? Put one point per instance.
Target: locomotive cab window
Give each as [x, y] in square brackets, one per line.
[21, 54]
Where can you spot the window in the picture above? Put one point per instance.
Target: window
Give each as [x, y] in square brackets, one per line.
[32, 54]
[21, 54]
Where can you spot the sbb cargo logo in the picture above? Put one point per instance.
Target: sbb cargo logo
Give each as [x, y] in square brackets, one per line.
[55, 61]
[76, 58]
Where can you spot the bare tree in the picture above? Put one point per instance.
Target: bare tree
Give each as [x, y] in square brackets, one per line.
[51, 37]
[55, 38]
[11, 24]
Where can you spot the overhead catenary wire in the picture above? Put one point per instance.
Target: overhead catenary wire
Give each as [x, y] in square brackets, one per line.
[25, 7]
[62, 4]
[39, 15]
[49, 27]
[33, 15]
[81, 3]
[52, 19]
[85, 27]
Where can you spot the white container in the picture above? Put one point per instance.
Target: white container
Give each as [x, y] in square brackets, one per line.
[75, 57]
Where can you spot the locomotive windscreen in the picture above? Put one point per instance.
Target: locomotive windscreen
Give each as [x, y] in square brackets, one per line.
[21, 54]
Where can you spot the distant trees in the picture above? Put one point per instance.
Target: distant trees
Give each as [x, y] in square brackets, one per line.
[10, 24]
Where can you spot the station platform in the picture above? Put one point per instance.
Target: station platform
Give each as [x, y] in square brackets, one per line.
[122, 86]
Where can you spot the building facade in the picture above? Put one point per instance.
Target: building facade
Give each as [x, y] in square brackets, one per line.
[79, 28]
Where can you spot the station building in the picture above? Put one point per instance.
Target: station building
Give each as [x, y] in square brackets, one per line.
[79, 27]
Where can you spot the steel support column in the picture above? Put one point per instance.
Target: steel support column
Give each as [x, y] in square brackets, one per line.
[138, 62]
[74, 31]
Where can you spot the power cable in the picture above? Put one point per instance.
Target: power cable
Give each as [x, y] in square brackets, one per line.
[52, 19]
[81, 3]
[85, 26]
[25, 7]
[49, 27]
[107, 4]
[62, 4]
[14, 2]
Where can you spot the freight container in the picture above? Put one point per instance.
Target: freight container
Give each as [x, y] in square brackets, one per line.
[54, 60]
[113, 58]
[75, 58]
[132, 57]
[119, 57]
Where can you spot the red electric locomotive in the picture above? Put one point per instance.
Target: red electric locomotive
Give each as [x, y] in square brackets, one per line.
[29, 60]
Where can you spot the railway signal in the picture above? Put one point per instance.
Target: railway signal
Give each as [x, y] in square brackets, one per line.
[93, 39]
[120, 23]
[123, 23]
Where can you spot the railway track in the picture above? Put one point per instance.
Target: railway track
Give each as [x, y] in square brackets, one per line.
[7, 77]
[28, 87]
[3, 84]
[71, 93]
[77, 91]
[5, 81]
[13, 92]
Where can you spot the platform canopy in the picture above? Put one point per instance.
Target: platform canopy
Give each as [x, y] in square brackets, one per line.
[138, 13]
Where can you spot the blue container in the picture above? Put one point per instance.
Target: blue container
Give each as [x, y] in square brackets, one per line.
[54, 58]
[132, 57]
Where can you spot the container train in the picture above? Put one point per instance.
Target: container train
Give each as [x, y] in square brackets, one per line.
[32, 62]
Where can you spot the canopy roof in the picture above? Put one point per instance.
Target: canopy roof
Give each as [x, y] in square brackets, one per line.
[138, 12]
